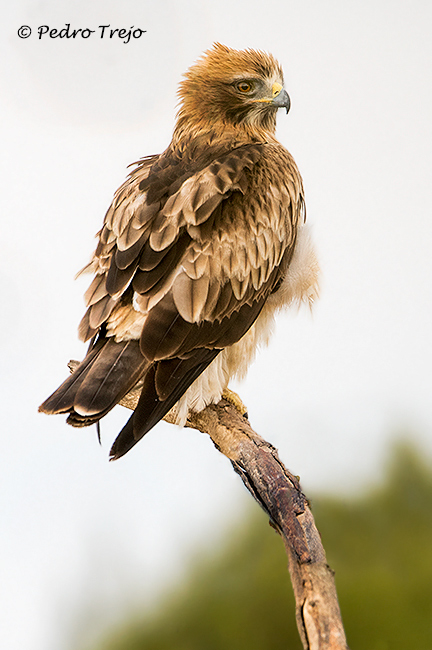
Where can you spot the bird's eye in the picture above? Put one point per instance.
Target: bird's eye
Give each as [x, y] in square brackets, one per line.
[245, 86]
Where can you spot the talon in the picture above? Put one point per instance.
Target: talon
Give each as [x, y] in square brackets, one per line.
[235, 400]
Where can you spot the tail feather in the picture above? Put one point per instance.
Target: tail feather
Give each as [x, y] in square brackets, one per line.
[62, 400]
[103, 378]
[108, 380]
[179, 374]
[109, 371]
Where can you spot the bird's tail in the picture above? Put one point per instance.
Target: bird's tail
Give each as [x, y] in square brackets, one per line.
[164, 383]
[102, 379]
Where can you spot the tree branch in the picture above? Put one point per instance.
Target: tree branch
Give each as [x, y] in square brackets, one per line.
[278, 492]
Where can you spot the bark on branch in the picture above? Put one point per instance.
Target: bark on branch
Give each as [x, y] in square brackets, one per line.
[278, 492]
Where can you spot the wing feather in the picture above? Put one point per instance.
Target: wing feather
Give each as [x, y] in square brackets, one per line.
[199, 247]
[150, 258]
[117, 279]
[159, 240]
[190, 296]
[124, 258]
[96, 290]
[99, 312]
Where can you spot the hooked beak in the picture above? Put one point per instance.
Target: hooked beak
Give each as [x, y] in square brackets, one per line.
[281, 100]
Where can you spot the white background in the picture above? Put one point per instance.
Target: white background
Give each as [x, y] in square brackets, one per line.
[81, 537]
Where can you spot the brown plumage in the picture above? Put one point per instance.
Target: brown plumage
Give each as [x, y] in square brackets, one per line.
[199, 247]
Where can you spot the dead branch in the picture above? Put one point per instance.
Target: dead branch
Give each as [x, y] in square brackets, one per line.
[278, 492]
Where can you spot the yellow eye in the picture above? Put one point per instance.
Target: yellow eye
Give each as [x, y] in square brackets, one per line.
[244, 86]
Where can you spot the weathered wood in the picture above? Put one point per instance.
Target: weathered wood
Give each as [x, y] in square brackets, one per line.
[279, 493]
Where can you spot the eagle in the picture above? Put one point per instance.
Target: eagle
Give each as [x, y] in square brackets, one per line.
[200, 247]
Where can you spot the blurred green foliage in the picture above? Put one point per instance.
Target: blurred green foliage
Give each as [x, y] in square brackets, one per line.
[380, 546]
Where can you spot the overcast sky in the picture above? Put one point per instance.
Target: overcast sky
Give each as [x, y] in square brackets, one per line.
[331, 391]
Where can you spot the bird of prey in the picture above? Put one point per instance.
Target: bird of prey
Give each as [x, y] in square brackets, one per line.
[200, 247]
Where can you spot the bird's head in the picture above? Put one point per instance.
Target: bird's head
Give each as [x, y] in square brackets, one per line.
[230, 89]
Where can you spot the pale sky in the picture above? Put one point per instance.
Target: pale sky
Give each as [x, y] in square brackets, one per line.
[331, 391]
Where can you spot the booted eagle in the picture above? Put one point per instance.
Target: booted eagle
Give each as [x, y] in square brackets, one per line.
[200, 247]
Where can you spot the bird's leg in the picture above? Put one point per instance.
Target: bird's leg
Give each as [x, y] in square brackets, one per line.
[235, 400]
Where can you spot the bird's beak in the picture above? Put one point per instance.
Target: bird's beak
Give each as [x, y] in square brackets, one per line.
[280, 97]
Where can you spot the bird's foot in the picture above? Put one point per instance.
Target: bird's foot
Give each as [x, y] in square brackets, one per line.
[235, 400]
